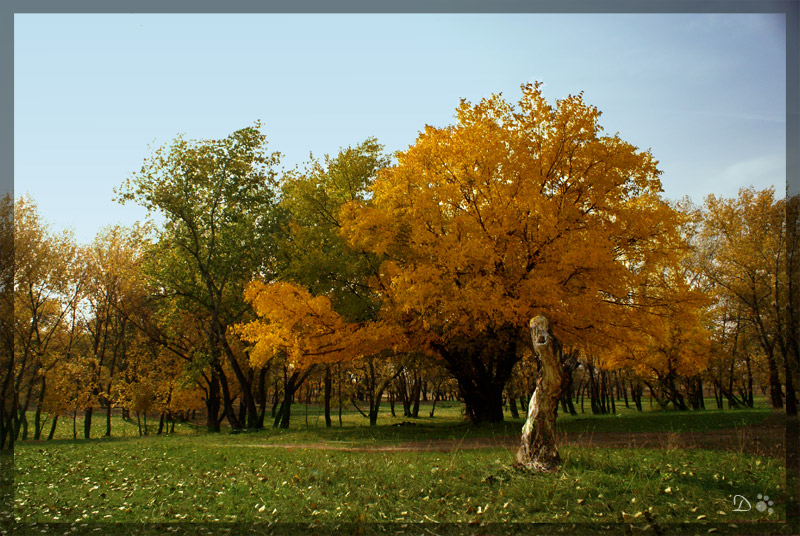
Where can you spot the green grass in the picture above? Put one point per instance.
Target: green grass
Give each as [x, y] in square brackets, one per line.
[119, 427]
[206, 478]
[234, 477]
[308, 423]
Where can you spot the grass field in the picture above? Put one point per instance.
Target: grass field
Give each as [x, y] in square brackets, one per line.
[199, 477]
[308, 424]
[193, 476]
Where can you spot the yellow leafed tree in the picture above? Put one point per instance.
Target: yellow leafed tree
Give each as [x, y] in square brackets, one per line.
[510, 213]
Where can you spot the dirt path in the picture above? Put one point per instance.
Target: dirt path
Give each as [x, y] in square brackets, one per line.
[764, 439]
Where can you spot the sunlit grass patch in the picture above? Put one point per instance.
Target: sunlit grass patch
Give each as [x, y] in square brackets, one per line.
[209, 478]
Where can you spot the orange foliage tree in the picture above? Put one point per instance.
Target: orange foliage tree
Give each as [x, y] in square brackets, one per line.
[511, 212]
[308, 331]
[745, 256]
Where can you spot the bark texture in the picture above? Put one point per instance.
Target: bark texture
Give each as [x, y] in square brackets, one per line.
[537, 450]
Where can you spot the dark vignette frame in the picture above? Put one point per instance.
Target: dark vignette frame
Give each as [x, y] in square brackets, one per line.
[790, 8]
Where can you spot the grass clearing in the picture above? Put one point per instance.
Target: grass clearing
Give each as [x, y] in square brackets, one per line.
[200, 477]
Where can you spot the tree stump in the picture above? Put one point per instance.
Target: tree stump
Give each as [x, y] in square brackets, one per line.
[537, 450]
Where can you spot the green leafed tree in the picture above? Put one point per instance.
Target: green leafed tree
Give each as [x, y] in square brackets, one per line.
[218, 201]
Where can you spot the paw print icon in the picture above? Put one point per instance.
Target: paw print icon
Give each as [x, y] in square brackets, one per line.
[764, 504]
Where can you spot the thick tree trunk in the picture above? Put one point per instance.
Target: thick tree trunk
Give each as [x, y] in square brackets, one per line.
[483, 404]
[482, 367]
[213, 404]
[538, 446]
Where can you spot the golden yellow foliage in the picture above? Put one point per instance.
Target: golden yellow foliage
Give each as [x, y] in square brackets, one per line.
[307, 330]
[514, 212]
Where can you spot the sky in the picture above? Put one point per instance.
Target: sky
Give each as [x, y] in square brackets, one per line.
[94, 95]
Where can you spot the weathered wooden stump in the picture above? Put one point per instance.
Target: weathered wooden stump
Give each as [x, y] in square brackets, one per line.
[537, 450]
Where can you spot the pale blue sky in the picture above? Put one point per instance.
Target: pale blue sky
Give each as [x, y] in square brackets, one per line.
[705, 92]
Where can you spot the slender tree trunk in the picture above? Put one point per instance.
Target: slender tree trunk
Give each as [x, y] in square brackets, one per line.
[87, 422]
[416, 396]
[328, 391]
[37, 424]
[512, 405]
[433, 406]
[108, 415]
[293, 383]
[52, 428]
[262, 395]
[339, 381]
[276, 396]
[244, 383]
[774, 382]
[625, 393]
[227, 401]
[749, 382]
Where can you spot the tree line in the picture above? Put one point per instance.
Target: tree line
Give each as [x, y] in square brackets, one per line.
[365, 277]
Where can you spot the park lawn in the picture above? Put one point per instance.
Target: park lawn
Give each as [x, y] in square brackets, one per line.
[308, 424]
[235, 477]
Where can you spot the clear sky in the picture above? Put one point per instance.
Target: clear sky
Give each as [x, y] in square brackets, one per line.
[93, 94]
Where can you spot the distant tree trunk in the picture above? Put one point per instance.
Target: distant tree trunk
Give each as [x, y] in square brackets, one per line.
[749, 382]
[594, 390]
[415, 395]
[291, 385]
[339, 381]
[791, 399]
[625, 393]
[262, 395]
[774, 381]
[108, 414]
[87, 421]
[512, 405]
[328, 392]
[52, 428]
[433, 406]
[212, 403]
[276, 396]
[568, 365]
[392, 402]
[227, 401]
[37, 424]
[538, 445]
[636, 395]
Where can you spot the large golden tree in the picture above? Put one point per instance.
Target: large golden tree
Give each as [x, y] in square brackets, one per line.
[512, 212]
